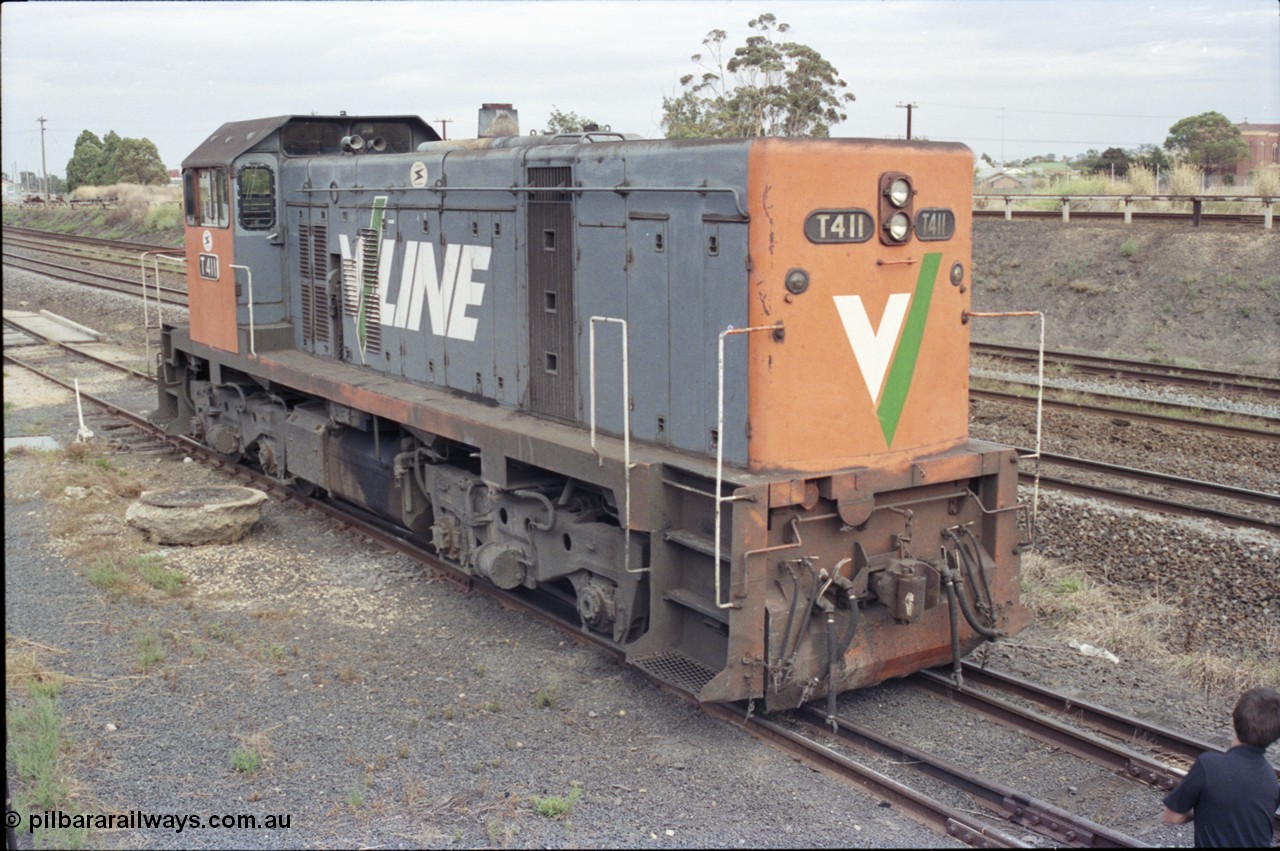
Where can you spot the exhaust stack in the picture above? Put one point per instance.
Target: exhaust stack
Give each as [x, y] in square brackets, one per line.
[498, 119]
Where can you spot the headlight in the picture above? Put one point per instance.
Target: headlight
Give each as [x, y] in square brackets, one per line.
[899, 192]
[897, 206]
[898, 226]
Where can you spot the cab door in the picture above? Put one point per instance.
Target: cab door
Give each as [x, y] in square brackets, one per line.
[211, 282]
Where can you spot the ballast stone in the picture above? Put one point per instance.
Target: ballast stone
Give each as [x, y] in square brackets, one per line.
[196, 515]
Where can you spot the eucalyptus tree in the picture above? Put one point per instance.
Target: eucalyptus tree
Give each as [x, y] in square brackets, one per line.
[768, 87]
[1208, 140]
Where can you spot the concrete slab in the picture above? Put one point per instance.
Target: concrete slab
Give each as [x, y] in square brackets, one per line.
[43, 442]
[51, 326]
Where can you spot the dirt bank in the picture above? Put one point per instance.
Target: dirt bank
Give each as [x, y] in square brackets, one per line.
[1207, 296]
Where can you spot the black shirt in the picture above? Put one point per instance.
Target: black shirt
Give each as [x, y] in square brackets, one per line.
[1235, 796]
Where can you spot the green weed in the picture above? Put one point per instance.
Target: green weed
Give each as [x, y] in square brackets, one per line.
[555, 806]
[245, 760]
[547, 697]
[149, 650]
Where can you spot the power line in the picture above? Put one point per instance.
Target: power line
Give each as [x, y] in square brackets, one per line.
[1054, 112]
[1108, 142]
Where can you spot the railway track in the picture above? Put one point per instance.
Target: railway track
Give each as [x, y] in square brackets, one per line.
[46, 240]
[1141, 372]
[77, 274]
[1201, 418]
[1176, 495]
[103, 264]
[1124, 748]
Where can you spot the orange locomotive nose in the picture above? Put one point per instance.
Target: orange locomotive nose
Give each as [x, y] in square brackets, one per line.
[863, 299]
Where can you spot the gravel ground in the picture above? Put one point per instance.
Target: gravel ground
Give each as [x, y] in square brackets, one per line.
[388, 709]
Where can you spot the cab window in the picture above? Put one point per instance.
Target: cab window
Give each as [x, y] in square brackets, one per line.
[257, 191]
[205, 197]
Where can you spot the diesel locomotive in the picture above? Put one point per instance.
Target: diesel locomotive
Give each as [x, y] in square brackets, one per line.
[714, 393]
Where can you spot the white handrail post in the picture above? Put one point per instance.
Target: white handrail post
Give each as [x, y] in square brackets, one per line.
[146, 316]
[719, 498]
[253, 352]
[626, 426]
[1035, 492]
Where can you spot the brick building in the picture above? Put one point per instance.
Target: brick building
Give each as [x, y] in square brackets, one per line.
[1264, 148]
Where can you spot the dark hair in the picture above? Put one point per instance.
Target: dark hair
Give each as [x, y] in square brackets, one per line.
[1257, 717]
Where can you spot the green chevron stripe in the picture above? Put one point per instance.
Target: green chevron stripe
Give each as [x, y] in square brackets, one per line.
[898, 382]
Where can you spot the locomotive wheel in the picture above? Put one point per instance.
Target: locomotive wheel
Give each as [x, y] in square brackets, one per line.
[309, 489]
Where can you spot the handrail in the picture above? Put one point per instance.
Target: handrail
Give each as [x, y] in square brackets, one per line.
[442, 188]
[720, 498]
[626, 426]
[253, 352]
[146, 316]
[1035, 493]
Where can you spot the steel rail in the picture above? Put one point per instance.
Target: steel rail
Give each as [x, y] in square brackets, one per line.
[1113, 756]
[914, 804]
[920, 807]
[36, 253]
[52, 236]
[1100, 718]
[1141, 371]
[1017, 807]
[1150, 419]
[1116, 725]
[109, 283]
[1150, 503]
[1152, 477]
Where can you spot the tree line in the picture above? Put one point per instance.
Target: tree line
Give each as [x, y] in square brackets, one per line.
[1208, 141]
[114, 159]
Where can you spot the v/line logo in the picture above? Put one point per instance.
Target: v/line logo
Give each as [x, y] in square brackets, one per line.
[887, 355]
[444, 289]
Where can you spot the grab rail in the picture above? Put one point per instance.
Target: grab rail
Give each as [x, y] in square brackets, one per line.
[719, 498]
[626, 426]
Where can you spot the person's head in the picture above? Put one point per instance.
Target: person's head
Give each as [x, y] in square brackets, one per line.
[1257, 717]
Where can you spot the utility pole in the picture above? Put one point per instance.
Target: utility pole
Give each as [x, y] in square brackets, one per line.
[908, 107]
[43, 167]
[444, 128]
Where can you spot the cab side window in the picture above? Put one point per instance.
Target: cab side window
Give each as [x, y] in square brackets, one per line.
[205, 198]
[257, 188]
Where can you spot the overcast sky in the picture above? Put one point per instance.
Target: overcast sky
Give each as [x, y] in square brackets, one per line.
[1010, 78]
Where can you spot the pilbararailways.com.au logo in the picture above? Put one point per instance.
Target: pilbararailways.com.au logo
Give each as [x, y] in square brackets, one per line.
[140, 820]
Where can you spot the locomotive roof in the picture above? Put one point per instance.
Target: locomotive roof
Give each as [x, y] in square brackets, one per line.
[235, 137]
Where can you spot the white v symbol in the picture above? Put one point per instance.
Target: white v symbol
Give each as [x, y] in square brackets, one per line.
[871, 347]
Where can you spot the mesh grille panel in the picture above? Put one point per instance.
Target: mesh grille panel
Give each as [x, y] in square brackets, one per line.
[677, 669]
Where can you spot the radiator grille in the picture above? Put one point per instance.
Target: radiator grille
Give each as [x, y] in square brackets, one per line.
[313, 269]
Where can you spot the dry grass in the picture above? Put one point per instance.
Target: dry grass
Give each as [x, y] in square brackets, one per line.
[25, 670]
[1138, 626]
[88, 466]
[129, 194]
